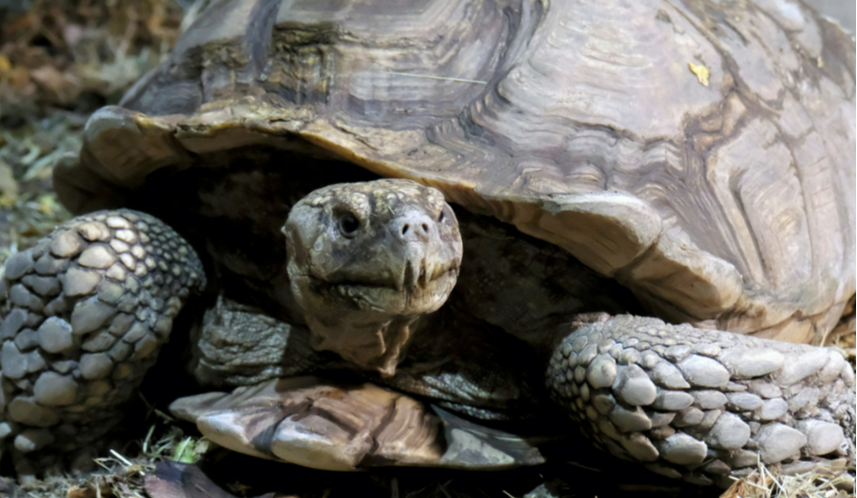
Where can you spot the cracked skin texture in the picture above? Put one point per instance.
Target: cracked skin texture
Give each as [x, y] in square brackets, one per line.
[729, 205]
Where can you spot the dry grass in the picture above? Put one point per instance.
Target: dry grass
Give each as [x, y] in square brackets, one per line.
[29, 209]
[118, 473]
[763, 483]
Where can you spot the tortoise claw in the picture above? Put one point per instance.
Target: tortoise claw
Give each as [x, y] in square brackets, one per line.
[312, 422]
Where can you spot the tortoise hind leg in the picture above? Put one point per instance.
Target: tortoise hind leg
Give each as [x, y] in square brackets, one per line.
[702, 404]
[85, 312]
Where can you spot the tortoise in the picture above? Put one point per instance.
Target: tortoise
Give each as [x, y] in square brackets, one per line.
[648, 208]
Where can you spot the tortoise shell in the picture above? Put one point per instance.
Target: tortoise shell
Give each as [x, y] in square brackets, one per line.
[700, 153]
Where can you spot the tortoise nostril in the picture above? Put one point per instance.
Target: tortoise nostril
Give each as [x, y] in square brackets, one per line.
[412, 227]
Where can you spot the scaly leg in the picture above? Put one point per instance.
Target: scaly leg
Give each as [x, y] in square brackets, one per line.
[85, 312]
[702, 404]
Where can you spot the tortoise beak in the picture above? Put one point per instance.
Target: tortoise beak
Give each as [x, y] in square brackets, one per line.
[413, 231]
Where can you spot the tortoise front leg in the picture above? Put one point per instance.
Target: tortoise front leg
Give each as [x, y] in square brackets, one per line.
[85, 312]
[702, 404]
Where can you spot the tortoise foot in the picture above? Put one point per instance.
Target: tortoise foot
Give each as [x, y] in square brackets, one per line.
[84, 313]
[315, 423]
[703, 404]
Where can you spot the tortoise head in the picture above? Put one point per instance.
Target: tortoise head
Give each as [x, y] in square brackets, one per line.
[366, 261]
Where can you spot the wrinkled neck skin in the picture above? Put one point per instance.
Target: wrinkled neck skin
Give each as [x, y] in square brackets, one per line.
[368, 263]
[373, 342]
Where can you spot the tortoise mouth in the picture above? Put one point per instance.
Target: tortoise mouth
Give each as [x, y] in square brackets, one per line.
[428, 292]
[408, 280]
[422, 281]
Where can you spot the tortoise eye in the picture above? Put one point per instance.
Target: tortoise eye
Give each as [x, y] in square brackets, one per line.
[349, 224]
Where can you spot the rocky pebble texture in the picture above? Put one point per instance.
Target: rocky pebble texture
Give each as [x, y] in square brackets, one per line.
[85, 312]
[704, 404]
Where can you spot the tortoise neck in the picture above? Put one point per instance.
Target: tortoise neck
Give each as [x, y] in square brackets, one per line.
[377, 345]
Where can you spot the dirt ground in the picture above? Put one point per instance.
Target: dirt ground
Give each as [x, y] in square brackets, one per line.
[61, 60]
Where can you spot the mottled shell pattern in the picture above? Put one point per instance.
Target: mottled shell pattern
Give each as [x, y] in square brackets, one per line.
[699, 152]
